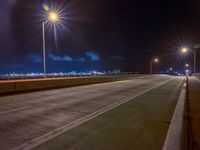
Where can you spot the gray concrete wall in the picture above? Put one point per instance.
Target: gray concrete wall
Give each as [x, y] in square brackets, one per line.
[40, 84]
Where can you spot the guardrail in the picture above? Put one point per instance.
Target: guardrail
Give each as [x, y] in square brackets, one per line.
[7, 87]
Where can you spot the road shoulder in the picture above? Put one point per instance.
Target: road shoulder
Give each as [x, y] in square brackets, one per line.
[193, 113]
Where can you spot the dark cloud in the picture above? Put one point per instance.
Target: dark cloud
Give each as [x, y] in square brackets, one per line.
[93, 56]
[65, 58]
[117, 58]
[35, 58]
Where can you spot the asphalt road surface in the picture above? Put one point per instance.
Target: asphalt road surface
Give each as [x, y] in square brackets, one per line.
[25, 117]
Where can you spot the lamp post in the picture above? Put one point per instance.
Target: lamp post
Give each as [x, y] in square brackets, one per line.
[52, 17]
[186, 50]
[194, 61]
[151, 64]
[44, 49]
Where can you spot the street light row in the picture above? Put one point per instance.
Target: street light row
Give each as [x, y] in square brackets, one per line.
[184, 51]
[53, 17]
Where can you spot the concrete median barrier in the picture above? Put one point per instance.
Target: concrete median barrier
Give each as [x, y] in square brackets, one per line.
[7, 87]
[42, 84]
[197, 75]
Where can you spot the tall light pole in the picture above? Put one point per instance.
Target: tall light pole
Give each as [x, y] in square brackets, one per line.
[186, 50]
[52, 17]
[151, 64]
[44, 49]
[194, 61]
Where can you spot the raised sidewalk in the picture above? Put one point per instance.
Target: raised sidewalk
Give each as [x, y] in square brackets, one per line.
[193, 113]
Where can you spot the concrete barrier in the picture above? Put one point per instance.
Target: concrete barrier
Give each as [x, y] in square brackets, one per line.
[197, 75]
[7, 87]
[176, 136]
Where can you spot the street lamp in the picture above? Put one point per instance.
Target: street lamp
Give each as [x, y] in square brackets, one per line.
[151, 64]
[187, 72]
[187, 65]
[52, 17]
[186, 50]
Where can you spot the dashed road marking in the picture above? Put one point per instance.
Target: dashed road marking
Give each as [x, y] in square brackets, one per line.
[16, 109]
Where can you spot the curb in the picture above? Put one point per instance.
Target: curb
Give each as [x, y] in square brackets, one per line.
[174, 139]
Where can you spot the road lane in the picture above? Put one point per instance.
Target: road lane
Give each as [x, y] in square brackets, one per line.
[49, 110]
[139, 124]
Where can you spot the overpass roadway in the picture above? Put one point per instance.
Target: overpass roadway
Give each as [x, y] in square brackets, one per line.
[26, 118]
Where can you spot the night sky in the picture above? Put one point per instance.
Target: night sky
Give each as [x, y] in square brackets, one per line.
[99, 35]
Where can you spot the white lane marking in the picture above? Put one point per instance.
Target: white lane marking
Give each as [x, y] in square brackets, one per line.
[16, 109]
[173, 138]
[48, 136]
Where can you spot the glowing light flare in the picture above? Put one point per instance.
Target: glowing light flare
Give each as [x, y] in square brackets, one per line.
[156, 60]
[56, 19]
[184, 50]
[186, 65]
[53, 16]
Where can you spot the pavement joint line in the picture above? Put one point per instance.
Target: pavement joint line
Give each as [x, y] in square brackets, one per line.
[173, 138]
[52, 134]
[16, 109]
